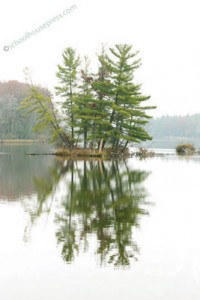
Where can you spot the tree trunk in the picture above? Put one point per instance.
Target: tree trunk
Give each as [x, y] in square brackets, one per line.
[125, 146]
[101, 145]
[85, 138]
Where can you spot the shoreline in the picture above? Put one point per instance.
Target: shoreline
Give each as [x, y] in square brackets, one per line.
[19, 141]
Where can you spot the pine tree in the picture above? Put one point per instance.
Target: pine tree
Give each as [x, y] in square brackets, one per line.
[67, 75]
[90, 109]
[103, 89]
[84, 103]
[128, 116]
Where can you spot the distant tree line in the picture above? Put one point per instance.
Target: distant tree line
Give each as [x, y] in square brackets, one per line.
[175, 126]
[170, 131]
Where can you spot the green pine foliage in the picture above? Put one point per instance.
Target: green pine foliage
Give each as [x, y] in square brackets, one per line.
[101, 109]
[67, 88]
[83, 105]
[128, 115]
[104, 93]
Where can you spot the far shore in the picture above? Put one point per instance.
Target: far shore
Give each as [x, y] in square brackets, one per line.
[19, 141]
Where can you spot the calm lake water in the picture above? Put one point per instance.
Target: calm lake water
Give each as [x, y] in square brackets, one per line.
[93, 229]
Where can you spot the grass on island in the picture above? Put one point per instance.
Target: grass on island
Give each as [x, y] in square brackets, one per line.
[90, 152]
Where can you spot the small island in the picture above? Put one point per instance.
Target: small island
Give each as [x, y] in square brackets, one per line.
[98, 113]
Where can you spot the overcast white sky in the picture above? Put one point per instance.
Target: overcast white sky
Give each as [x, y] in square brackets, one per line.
[165, 32]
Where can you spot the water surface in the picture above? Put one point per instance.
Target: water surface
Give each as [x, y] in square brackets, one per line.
[88, 229]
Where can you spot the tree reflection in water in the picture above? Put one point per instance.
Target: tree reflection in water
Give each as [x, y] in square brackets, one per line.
[103, 200]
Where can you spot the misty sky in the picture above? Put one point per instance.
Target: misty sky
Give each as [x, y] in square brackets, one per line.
[165, 32]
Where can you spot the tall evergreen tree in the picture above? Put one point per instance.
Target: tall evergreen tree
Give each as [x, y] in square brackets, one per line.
[128, 116]
[83, 108]
[67, 89]
[103, 89]
[90, 108]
